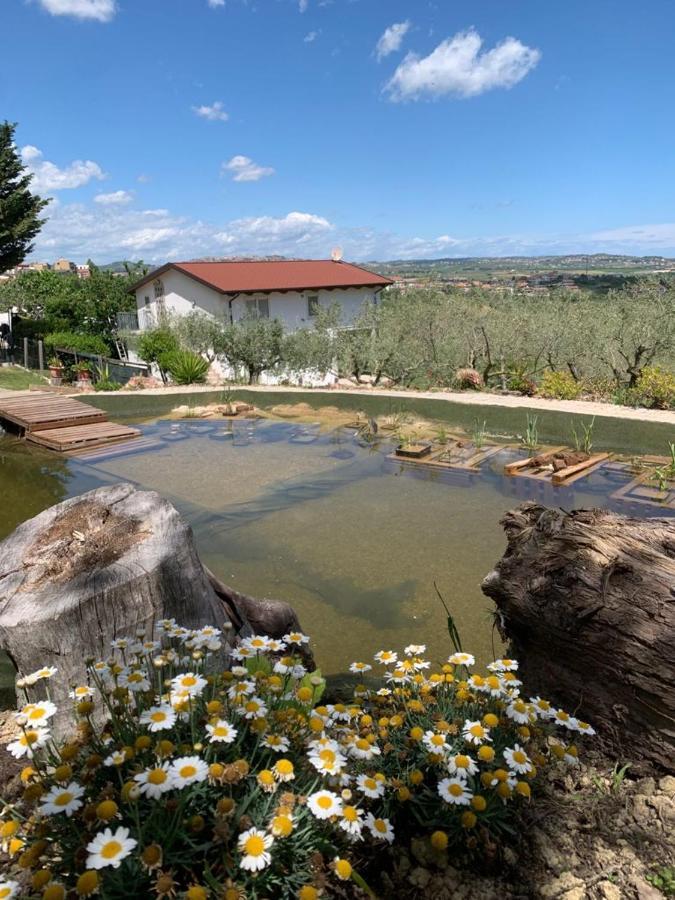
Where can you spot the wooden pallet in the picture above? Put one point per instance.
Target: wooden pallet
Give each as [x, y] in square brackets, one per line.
[640, 490]
[523, 469]
[77, 437]
[119, 448]
[434, 461]
[46, 412]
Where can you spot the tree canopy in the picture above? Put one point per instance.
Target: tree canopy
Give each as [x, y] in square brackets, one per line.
[20, 209]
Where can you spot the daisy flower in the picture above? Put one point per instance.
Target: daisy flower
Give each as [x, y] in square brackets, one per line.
[275, 646]
[328, 761]
[415, 649]
[136, 681]
[475, 733]
[241, 689]
[282, 824]
[371, 787]
[188, 770]
[324, 804]
[283, 770]
[503, 665]
[560, 717]
[571, 756]
[221, 732]
[435, 742]
[189, 683]
[386, 657]
[276, 742]
[45, 672]
[296, 637]
[36, 713]
[157, 718]
[109, 848]
[81, 692]
[258, 643]
[380, 828]
[242, 652]
[8, 889]
[462, 659]
[517, 759]
[363, 749]
[62, 800]
[28, 741]
[519, 711]
[254, 846]
[358, 667]
[461, 766]
[254, 708]
[120, 643]
[585, 728]
[455, 791]
[115, 759]
[351, 820]
[155, 782]
[541, 707]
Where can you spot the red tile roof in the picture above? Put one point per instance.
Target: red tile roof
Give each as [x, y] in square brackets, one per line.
[275, 275]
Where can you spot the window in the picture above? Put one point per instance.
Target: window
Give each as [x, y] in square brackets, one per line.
[259, 308]
[159, 288]
[147, 300]
[313, 305]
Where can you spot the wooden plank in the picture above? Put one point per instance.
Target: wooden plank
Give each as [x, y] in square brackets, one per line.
[44, 412]
[71, 438]
[562, 475]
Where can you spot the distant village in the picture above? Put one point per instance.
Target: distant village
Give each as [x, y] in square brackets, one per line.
[63, 266]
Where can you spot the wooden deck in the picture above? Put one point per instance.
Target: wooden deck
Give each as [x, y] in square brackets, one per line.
[61, 423]
[40, 413]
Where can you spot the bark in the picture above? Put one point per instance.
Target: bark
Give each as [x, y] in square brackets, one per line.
[587, 602]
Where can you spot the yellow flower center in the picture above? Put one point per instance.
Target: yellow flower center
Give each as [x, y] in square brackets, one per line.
[189, 681]
[519, 757]
[456, 790]
[380, 825]
[325, 802]
[158, 716]
[265, 777]
[29, 737]
[438, 740]
[363, 744]
[111, 850]
[157, 776]
[254, 846]
[350, 813]
[63, 799]
[284, 767]
[187, 771]
[282, 825]
[462, 762]
[37, 713]
[370, 783]
[476, 731]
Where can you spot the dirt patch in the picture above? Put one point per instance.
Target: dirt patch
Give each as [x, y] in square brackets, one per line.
[587, 834]
[87, 537]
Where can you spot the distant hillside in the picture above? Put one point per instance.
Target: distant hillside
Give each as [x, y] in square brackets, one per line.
[484, 266]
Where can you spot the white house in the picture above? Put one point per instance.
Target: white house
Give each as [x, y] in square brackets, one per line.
[292, 291]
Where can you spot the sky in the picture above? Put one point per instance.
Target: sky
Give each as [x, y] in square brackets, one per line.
[177, 129]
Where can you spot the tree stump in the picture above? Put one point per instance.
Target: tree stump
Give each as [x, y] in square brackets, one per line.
[587, 601]
[94, 568]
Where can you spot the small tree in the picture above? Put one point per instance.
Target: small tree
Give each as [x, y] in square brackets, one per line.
[20, 210]
[199, 332]
[255, 344]
[155, 344]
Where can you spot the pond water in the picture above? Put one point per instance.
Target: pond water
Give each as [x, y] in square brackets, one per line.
[355, 540]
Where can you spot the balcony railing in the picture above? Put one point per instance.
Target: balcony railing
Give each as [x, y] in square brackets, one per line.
[139, 320]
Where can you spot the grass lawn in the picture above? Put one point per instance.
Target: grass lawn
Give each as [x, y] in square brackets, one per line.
[13, 378]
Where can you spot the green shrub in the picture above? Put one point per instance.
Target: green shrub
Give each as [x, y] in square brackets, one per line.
[184, 366]
[468, 379]
[655, 389]
[79, 343]
[559, 386]
[155, 343]
[104, 384]
[519, 381]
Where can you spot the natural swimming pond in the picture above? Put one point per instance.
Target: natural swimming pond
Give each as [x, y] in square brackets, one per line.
[353, 539]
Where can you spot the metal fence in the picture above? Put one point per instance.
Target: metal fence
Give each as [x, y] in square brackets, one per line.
[31, 354]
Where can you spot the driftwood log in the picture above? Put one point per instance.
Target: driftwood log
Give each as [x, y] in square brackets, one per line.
[101, 566]
[587, 602]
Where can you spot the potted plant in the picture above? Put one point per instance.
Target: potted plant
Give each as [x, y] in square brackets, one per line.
[83, 370]
[409, 448]
[55, 367]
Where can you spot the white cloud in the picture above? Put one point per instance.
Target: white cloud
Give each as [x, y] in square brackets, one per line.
[214, 113]
[214, 4]
[312, 36]
[459, 67]
[302, 5]
[268, 231]
[48, 177]
[244, 169]
[391, 39]
[115, 198]
[99, 10]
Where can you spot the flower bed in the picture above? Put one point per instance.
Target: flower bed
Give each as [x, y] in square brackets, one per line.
[239, 783]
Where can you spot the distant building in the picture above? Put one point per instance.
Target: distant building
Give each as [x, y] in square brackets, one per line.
[64, 265]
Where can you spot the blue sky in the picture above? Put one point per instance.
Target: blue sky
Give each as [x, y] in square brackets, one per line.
[184, 128]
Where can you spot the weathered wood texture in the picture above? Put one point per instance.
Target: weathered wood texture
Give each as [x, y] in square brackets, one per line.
[94, 568]
[587, 601]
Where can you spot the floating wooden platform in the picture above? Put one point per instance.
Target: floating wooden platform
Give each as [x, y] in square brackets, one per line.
[435, 459]
[76, 437]
[643, 490]
[524, 469]
[61, 423]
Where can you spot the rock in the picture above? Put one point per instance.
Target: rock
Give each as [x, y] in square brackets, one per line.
[644, 890]
[667, 785]
[646, 787]
[567, 885]
[665, 810]
[609, 891]
[344, 383]
[366, 379]
[419, 877]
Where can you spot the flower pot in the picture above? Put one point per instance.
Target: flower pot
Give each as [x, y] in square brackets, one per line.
[56, 371]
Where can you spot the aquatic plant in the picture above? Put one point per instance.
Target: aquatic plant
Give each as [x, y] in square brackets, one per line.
[530, 440]
[583, 440]
[478, 433]
[186, 778]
